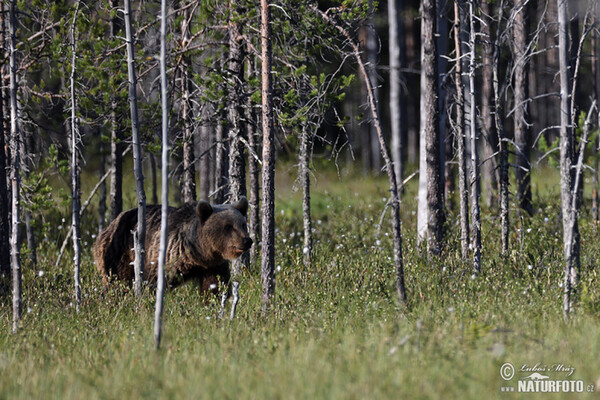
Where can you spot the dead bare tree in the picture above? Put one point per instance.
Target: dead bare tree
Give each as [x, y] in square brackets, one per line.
[268, 159]
[396, 110]
[75, 179]
[140, 242]
[15, 179]
[459, 134]
[188, 185]
[162, 252]
[430, 128]
[566, 152]
[502, 142]
[520, 115]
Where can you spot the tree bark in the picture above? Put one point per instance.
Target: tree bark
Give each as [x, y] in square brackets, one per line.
[15, 179]
[521, 123]
[490, 142]
[5, 263]
[221, 162]
[268, 158]
[188, 188]
[137, 157]
[476, 218]
[430, 128]
[237, 160]
[75, 180]
[396, 112]
[502, 144]
[460, 138]
[116, 145]
[305, 146]
[102, 195]
[566, 151]
[253, 172]
[162, 254]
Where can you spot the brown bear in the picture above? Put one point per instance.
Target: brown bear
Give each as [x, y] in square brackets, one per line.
[202, 238]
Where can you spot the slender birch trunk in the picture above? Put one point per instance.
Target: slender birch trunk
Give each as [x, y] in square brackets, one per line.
[459, 133]
[476, 218]
[430, 128]
[268, 158]
[521, 128]
[116, 145]
[188, 189]
[490, 144]
[305, 145]
[566, 152]
[15, 180]
[5, 267]
[221, 163]
[372, 49]
[502, 144]
[237, 160]
[102, 190]
[396, 115]
[75, 180]
[137, 157]
[253, 172]
[160, 284]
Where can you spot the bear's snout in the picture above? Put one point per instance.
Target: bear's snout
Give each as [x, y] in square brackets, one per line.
[247, 243]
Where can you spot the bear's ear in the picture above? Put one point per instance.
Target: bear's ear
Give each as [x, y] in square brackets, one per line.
[204, 210]
[241, 205]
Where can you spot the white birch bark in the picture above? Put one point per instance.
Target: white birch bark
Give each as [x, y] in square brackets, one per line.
[160, 284]
[137, 156]
[75, 181]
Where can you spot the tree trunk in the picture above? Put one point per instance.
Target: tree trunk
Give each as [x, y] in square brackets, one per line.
[460, 138]
[502, 144]
[75, 180]
[372, 50]
[203, 164]
[237, 160]
[137, 157]
[396, 114]
[268, 159]
[490, 142]
[5, 266]
[253, 172]
[522, 142]
[15, 179]
[566, 151]
[102, 190]
[305, 146]
[116, 146]
[160, 285]
[188, 188]
[430, 128]
[221, 163]
[153, 178]
[476, 219]
[596, 95]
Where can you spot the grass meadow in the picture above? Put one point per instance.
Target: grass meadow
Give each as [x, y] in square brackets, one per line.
[335, 330]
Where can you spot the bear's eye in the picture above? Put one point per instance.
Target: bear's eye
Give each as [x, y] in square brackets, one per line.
[228, 227]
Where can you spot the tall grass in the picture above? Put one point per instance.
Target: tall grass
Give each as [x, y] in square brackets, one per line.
[335, 330]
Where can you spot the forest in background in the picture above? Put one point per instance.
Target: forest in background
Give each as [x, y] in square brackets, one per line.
[502, 87]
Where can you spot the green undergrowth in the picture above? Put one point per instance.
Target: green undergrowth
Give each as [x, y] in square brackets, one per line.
[335, 329]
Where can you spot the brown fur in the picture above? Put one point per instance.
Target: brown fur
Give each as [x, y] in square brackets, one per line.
[201, 240]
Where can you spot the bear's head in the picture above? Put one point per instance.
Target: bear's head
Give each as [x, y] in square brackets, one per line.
[223, 228]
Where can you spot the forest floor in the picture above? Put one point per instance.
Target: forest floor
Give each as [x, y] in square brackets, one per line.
[335, 330]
